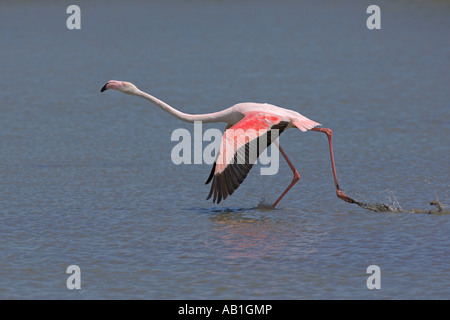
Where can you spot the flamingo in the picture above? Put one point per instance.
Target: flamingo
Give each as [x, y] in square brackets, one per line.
[260, 119]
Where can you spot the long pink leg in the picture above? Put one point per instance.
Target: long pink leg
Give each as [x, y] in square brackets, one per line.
[339, 192]
[296, 174]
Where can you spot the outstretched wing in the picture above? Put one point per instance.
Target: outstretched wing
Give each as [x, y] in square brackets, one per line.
[241, 145]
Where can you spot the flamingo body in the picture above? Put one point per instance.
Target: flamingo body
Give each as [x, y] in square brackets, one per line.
[235, 158]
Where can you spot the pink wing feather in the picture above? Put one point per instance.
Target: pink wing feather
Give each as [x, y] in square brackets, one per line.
[235, 158]
[303, 123]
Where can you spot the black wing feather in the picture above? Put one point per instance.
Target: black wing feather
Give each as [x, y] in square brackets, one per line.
[226, 182]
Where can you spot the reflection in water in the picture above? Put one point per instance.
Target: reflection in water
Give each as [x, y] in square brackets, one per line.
[254, 235]
[245, 237]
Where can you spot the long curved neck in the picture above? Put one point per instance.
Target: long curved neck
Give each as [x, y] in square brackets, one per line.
[221, 116]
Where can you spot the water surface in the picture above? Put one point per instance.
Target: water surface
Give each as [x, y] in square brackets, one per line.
[87, 178]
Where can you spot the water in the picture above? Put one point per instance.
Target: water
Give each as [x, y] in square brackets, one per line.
[87, 179]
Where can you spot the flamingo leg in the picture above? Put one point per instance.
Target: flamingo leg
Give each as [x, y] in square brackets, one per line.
[339, 192]
[296, 174]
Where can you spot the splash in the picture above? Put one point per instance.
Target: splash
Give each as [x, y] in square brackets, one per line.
[439, 205]
[441, 208]
[264, 205]
[388, 204]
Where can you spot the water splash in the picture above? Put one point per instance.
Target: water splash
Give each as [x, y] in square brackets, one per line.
[441, 208]
[264, 205]
[439, 205]
[388, 204]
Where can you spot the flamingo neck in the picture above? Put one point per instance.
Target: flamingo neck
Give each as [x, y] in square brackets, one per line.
[221, 116]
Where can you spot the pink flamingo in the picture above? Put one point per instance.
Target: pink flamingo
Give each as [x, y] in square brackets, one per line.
[260, 119]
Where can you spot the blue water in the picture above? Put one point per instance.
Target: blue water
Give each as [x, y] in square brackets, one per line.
[86, 178]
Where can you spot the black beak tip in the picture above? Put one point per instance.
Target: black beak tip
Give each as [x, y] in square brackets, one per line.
[104, 88]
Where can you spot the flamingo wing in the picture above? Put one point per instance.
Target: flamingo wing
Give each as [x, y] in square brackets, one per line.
[241, 145]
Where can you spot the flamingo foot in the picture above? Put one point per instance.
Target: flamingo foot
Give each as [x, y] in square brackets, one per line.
[345, 197]
[377, 207]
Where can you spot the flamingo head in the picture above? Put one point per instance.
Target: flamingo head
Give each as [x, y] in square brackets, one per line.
[122, 86]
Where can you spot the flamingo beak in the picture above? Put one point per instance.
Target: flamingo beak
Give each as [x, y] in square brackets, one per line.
[112, 84]
[104, 88]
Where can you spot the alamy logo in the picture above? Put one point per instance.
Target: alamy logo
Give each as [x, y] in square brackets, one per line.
[74, 20]
[374, 280]
[234, 146]
[74, 280]
[374, 21]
